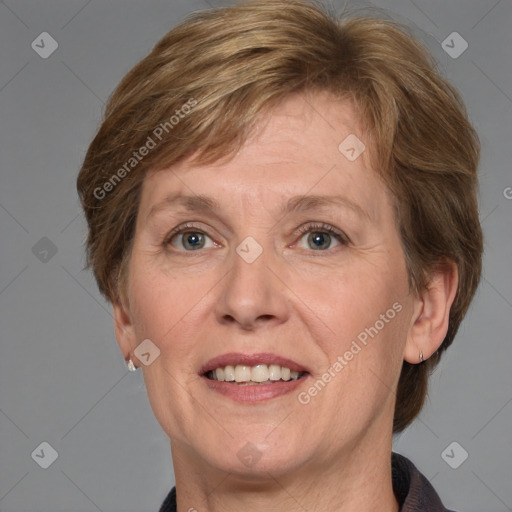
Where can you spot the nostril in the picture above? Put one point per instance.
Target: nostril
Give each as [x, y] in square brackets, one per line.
[229, 318]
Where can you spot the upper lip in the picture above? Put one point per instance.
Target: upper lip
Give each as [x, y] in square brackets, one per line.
[235, 358]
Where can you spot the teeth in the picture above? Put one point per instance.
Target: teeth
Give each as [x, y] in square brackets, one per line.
[242, 373]
[274, 371]
[229, 373]
[259, 373]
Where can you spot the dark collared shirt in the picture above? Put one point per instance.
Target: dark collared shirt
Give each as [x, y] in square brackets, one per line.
[412, 490]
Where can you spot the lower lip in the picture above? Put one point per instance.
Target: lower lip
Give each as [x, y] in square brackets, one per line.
[254, 393]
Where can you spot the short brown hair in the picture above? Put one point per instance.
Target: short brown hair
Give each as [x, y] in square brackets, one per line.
[231, 66]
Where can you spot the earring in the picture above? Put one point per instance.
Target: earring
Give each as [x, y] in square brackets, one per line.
[131, 366]
[421, 357]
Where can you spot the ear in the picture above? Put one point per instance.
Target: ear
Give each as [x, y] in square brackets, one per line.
[429, 323]
[124, 329]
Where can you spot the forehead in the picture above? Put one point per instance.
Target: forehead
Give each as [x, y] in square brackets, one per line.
[305, 146]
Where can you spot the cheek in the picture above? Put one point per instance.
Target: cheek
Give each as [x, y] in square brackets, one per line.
[160, 300]
[352, 298]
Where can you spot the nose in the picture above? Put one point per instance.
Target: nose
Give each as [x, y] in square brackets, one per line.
[253, 293]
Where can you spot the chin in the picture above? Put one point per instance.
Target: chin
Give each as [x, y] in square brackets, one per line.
[246, 457]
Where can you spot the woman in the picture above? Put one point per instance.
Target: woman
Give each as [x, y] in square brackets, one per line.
[282, 210]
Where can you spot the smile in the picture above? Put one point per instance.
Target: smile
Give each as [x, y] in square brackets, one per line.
[252, 375]
[253, 378]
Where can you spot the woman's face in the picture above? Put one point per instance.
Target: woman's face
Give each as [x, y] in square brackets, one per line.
[259, 279]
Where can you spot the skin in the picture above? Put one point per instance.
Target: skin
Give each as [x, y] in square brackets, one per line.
[305, 304]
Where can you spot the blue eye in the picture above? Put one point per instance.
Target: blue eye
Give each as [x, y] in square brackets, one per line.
[319, 240]
[193, 240]
[188, 237]
[321, 236]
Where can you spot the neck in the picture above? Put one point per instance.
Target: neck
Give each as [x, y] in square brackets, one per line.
[356, 480]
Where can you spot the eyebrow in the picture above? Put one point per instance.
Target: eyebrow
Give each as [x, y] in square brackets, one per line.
[300, 203]
[195, 203]
[317, 202]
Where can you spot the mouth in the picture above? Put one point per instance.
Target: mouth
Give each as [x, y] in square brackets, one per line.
[254, 377]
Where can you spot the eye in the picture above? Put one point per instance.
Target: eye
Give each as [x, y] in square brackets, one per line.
[321, 236]
[189, 238]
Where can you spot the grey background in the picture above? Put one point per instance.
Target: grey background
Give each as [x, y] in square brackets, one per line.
[62, 376]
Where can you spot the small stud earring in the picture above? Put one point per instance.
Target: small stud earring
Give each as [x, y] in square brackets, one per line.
[421, 357]
[131, 366]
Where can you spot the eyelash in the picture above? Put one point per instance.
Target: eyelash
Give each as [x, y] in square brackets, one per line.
[312, 227]
[321, 227]
[181, 229]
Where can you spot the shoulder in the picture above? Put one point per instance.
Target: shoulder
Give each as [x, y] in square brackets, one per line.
[169, 504]
[412, 490]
